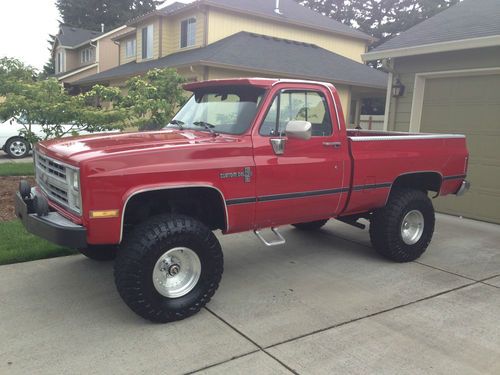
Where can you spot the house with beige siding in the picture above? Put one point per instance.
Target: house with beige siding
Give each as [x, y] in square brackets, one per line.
[209, 39]
[79, 53]
[449, 66]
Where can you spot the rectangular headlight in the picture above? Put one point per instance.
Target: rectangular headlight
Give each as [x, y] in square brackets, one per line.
[74, 196]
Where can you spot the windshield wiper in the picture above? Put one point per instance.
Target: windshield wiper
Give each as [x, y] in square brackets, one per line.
[179, 124]
[207, 126]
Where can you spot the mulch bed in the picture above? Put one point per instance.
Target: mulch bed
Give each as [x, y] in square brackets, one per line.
[8, 186]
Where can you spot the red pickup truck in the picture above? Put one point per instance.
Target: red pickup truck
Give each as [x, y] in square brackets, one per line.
[241, 155]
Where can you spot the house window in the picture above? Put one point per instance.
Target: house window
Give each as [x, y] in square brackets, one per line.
[147, 42]
[60, 63]
[87, 55]
[130, 48]
[188, 32]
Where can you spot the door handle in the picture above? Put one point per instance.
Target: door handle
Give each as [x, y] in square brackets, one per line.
[332, 144]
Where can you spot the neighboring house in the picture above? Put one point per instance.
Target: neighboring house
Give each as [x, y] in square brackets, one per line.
[450, 67]
[211, 39]
[79, 53]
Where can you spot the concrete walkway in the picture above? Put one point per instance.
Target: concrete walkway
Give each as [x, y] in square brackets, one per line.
[6, 159]
[324, 303]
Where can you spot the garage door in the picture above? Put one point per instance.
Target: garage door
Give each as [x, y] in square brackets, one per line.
[471, 106]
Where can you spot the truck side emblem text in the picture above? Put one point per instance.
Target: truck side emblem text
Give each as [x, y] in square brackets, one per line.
[246, 174]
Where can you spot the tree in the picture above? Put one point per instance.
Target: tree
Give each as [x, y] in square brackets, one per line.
[152, 100]
[149, 102]
[44, 102]
[12, 72]
[49, 67]
[381, 19]
[90, 14]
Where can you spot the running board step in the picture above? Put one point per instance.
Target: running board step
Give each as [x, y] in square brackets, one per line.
[280, 240]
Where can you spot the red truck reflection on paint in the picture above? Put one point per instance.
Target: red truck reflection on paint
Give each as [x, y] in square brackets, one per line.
[241, 155]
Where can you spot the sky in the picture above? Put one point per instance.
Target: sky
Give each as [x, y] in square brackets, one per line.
[25, 26]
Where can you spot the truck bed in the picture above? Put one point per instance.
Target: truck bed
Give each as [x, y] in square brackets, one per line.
[380, 158]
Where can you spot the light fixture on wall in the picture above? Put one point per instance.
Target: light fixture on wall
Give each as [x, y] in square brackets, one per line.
[398, 89]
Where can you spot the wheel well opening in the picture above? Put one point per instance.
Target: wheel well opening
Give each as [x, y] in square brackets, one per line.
[427, 181]
[202, 203]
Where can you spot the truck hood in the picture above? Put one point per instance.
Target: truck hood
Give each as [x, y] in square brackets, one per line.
[77, 149]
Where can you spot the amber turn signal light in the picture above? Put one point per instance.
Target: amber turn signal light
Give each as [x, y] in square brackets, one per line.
[104, 214]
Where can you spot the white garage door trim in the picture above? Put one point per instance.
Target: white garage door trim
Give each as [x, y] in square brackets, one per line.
[419, 89]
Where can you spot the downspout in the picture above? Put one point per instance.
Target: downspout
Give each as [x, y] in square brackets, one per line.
[96, 46]
[119, 51]
[160, 38]
[388, 65]
[205, 27]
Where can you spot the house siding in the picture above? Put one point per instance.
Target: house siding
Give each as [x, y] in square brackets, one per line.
[408, 67]
[222, 24]
[72, 60]
[108, 54]
[78, 76]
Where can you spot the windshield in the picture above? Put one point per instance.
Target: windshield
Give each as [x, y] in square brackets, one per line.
[228, 110]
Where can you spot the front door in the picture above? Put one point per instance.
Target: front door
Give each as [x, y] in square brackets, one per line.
[305, 182]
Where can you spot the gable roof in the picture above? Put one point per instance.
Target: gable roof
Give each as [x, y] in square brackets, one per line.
[245, 51]
[476, 20]
[73, 37]
[291, 12]
[172, 7]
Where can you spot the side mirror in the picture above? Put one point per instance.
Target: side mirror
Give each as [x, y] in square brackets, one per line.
[299, 130]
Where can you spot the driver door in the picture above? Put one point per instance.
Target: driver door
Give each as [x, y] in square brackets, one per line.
[305, 182]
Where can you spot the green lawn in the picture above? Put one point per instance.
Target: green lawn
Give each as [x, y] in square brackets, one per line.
[17, 169]
[17, 245]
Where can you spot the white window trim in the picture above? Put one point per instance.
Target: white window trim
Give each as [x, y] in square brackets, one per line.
[134, 43]
[60, 69]
[417, 103]
[91, 54]
[151, 55]
[187, 39]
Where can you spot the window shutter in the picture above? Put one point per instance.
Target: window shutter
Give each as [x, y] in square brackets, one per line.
[184, 33]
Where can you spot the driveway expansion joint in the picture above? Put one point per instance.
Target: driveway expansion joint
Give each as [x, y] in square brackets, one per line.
[261, 348]
[443, 270]
[223, 362]
[372, 315]
[415, 261]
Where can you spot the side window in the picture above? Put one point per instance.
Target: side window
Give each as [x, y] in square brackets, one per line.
[298, 105]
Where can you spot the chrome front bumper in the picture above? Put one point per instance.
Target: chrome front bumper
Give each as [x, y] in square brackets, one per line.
[464, 188]
[52, 226]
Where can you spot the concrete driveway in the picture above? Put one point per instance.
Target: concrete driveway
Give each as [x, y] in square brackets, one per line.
[324, 303]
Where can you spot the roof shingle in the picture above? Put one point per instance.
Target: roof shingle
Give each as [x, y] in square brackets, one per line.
[260, 53]
[466, 20]
[73, 36]
[291, 11]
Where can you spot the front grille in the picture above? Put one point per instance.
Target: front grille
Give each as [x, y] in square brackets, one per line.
[52, 178]
[51, 167]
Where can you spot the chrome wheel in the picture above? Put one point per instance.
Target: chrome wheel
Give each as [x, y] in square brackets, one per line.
[176, 272]
[18, 148]
[412, 227]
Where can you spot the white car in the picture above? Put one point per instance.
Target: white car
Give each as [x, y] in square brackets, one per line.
[17, 146]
